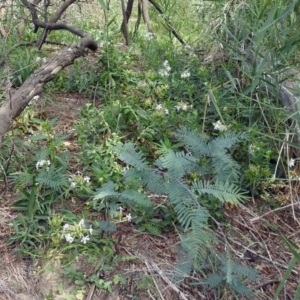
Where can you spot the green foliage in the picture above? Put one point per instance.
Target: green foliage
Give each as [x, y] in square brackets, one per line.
[170, 174]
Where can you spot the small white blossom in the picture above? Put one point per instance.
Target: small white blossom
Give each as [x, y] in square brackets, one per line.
[167, 66]
[166, 111]
[291, 163]
[69, 238]
[129, 218]
[159, 107]
[37, 97]
[219, 126]
[85, 239]
[149, 36]
[163, 73]
[42, 163]
[91, 230]
[86, 179]
[73, 184]
[252, 149]
[81, 223]
[66, 226]
[37, 59]
[44, 60]
[185, 74]
[184, 107]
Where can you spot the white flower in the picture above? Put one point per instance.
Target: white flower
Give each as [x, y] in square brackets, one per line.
[129, 218]
[44, 60]
[69, 238]
[166, 111]
[177, 107]
[159, 107]
[163, 73]
[166, 64]
[149, 36]
[42, 163]
[86, 179]
[73, 184]
[37, 59]
[219, 126]
[81, 223]
[185, 74]
[184, 107]
[85, 239]
[66, 226]
[291, 163]
[252, 149]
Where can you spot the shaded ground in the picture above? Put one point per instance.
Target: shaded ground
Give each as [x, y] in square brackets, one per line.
[252, 241]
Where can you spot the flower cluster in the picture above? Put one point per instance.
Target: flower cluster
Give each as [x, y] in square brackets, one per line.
[128, 216]
[43, 163]
[149, 36]
[183, 106]
[159, 107]
[253, 148]
[291, 163]
[78, 180]
[70, 232]
[219, 126]
[165, 71]
[185, 74]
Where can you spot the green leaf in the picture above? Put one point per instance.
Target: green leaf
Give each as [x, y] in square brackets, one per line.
[103, 5]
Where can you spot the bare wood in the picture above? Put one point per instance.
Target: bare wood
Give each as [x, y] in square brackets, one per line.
[146, 15]
[34, 84]
[127, 16]
[125, 24]
[54, 19]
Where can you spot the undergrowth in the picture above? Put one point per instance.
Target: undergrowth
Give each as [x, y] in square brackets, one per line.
[202, 124]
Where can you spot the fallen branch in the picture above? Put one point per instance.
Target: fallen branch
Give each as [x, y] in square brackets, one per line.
[34, 84]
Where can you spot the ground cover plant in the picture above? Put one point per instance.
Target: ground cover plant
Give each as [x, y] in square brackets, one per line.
[162, 161]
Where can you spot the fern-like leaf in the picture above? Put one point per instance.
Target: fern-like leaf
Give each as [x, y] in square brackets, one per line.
[53, 179]
[196, 142]
[223, 191]
[136, 197]
[132, 157]
[108, 189]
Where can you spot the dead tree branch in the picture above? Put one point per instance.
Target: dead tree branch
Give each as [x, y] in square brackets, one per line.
[54, 19]
[34, 84]
[170, 26]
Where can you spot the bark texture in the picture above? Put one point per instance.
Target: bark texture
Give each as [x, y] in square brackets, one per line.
[34, 84]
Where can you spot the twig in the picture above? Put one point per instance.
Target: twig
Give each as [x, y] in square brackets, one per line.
[271, 211]
[155, 283]
[92, 289]
[169, 282]
[259, 286]
[261, 256]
